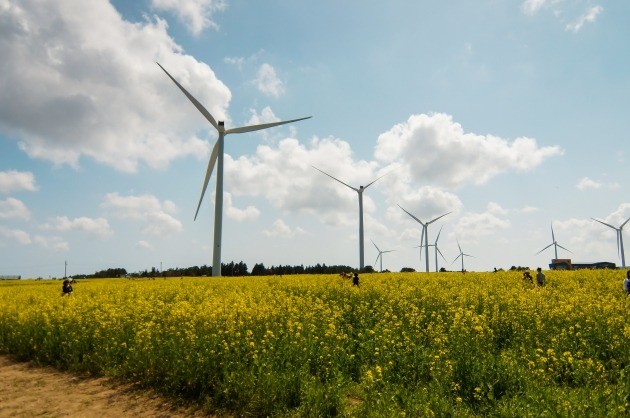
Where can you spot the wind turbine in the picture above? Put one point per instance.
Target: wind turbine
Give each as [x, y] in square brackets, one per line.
[555, 245]
[619, 238]
[425, 233]
[217, 157]
[462, 255]
[380, 255]
[437, 250]
[359, 191]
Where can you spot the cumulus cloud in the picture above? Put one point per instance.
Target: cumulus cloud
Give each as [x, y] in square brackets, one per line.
[12, 208]
[268, 82]
[587, 183]
[155, 215]
[588, 17]
[196, 14]
[53, 243]
[433, 148]
[98, 226]
[15, 181]
[472, 226]
[284, 175]
[532, 6]
[250, 213]
[80, 81]
[144, 245]
[15, 235]
[282, 230]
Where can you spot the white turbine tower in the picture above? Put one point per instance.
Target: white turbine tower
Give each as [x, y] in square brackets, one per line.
[462, 255]
[380, 255]
[359, 191]
[437, 250]
[619, 239]
[217, 157]
[555, 245]
[425, 234]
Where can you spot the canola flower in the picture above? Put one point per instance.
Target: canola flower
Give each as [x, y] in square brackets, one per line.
[408, 344]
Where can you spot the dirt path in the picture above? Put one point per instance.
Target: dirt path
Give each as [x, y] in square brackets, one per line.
[32, 391]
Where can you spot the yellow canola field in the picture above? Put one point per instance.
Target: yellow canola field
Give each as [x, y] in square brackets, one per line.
[401, 344]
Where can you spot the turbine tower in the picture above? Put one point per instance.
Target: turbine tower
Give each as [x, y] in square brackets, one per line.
[437, 250]
[217, 157]
[555, 245]
[380, 255]
[619, 239]
[425, 234]
[359, 191]
[462, 255]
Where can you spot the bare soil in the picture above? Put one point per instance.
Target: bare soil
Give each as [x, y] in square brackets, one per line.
[28, 390]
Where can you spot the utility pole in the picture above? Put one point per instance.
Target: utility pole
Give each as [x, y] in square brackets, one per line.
[65, 269]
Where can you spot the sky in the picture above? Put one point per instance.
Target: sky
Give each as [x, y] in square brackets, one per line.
[511, 116]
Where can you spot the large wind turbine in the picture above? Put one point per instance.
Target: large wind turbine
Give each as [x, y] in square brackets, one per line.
[425, 233]
[619, 239]
[462, 255]
[555, 245]
[359, 191]
[380, 255]
[437, 250]
[217, 157]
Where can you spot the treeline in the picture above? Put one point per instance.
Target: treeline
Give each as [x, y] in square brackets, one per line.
[227, 269]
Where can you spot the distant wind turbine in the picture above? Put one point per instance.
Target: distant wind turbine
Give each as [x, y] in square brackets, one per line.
[437, 250]
[462, 255]
[619, 239]
[380, 255]
[425, 234]
[359, 191]
[555, 245]
[217, 157]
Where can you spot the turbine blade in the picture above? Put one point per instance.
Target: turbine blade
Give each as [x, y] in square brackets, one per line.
[458, 246]
[456, 258]
[369, 184]
[194, 101]
[347, 185]
[624, 224]
[252, 128]
[388, 251]
[377, 249]
[553, 238]
[375, 261]
[438, 235]
[440, 252]
[418, 220]
[544, 248]
[211, 162]
[604, 223]
[564, 248]
[441, 216]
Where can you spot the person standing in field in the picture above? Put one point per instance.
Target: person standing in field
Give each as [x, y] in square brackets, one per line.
[355, 280]
[66, 288]
[626, 283]
[540, 277]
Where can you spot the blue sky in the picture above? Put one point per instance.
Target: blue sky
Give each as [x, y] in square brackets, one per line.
[509, 114]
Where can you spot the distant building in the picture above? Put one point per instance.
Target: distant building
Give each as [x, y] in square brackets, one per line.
[566, 264]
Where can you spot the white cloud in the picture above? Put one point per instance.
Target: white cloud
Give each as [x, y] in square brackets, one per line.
[472, 226]
[16, 235]
[268, 82]
[529, 209]
[13, 181]
[53, 243]
[148, 209]
[587, 183]
[589, 16]
[250, 213]
[532, 6]
[196, 14]
[12, 208]
[434, 149]
[98, 226]
[144, 245]
[282, 230]
[78, 80]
